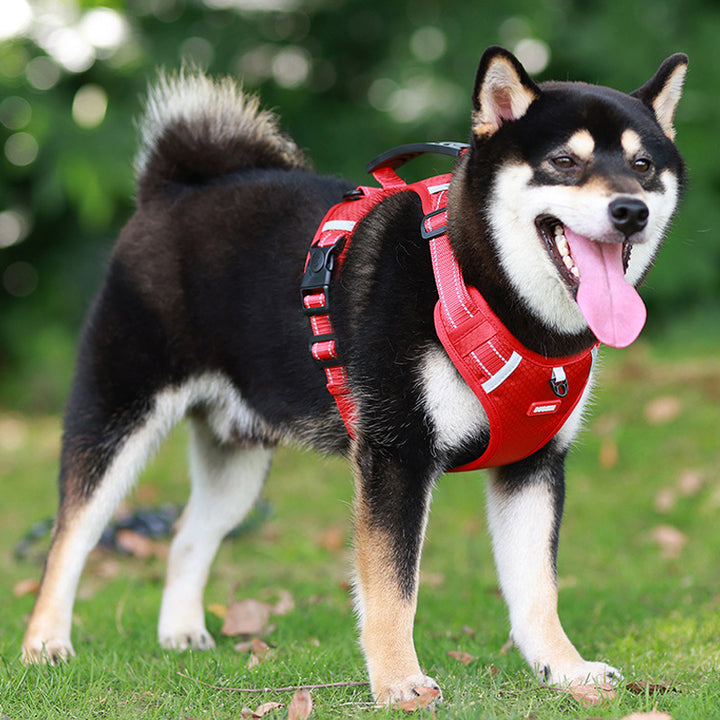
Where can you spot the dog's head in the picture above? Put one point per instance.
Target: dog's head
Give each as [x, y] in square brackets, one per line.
[580, 184]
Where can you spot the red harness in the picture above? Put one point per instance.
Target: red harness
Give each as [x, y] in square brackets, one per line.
[527, 397]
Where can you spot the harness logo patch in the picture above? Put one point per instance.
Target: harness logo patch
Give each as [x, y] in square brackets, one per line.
[543, 408]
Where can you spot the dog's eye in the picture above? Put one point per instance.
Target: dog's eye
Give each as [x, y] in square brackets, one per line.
[641, 165]
[564, 162]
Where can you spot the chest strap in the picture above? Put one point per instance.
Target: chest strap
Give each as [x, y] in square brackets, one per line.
[527, 397]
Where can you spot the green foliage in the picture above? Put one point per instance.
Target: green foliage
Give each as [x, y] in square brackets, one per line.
[349, 79]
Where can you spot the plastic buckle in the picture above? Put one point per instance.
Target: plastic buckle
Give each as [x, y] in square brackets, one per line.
[318, 274]
[430, 234]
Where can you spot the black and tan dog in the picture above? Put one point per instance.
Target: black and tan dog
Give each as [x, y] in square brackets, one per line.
[555, 214]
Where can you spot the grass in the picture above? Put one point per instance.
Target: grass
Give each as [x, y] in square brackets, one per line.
[624, 598]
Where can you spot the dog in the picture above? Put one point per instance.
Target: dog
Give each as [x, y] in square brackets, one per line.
[555, 213]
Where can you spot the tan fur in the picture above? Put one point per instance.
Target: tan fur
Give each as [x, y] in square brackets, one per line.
[582, 145]
[386, 617]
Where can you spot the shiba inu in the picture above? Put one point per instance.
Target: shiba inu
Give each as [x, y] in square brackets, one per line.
[554, 214]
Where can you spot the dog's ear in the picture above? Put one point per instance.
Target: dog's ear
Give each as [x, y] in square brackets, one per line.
[503, 91]
[662, 91]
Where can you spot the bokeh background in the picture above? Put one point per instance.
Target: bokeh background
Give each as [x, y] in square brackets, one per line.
[350, 78]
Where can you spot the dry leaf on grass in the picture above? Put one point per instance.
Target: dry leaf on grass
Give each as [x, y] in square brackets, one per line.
[261, 710]
[426, 697]
[246, 617]
[591, 695]
[463, 657]
[259, 651]
[642, 687]
[218, 609]
[300, 706]
[26, 587]
[690, 483]
[140, 546]
[285, 604]
[332, 539]
[670, 541]
[609, 454]
[665, 500]
[663, 409]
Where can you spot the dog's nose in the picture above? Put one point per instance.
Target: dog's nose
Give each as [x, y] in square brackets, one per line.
[629, 215]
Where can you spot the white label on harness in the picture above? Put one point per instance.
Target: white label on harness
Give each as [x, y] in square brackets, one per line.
[438, 188]
[339, 225]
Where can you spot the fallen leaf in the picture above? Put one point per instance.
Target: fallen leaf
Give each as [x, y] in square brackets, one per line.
[218, 609]
[426, 697]
[26, 587]
[300, 706]
[591, 695]
[690, 483]
[463, 657]
[665, 500]
[507, 646]
[670, 541]
[265, 709]
[609, 454]
[140, 546]
[259, 651]
[663, 409]
[285, 604]
[652, 715]
[332, 539]
[246, 617]
[642, 687]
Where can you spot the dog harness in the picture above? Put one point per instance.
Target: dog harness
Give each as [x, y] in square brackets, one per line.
[527, 397]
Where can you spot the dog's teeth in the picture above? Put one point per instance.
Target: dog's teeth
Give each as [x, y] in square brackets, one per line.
[575, 271]
[569, 264]
[562, 245]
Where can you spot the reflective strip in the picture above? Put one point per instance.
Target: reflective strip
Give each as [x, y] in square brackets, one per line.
[438, 188]
[339, 225]
[502, 375]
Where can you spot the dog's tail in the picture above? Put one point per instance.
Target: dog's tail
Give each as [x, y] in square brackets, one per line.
[195, 128]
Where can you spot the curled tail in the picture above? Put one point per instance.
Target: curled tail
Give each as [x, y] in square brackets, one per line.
[195, 128]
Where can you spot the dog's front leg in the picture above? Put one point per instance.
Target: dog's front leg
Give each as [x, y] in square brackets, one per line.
[391, 505]
[525, 503]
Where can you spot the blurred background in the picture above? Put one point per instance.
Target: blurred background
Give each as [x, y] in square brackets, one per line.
[349, 79]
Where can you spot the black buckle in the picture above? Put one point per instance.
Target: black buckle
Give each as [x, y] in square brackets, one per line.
[430, 234]
[318, 275]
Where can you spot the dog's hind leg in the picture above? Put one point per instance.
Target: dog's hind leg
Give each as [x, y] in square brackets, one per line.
[226, 481]
[102, 456]
[391, 507]
[525, 503]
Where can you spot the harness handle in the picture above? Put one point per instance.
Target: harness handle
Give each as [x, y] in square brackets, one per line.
[397, 156]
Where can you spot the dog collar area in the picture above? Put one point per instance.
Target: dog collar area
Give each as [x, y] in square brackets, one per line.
[527, 397]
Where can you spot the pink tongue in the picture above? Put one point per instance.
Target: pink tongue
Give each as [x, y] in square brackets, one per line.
[609, 303]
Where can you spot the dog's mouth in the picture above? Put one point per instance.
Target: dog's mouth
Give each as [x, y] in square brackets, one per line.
[594, 272]
[552, 232]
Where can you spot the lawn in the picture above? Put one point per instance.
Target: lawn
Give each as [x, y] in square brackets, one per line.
[638, 569]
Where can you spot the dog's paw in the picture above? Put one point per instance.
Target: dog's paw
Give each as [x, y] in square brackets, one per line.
[198, 639]
[49, 652]
[586, 673]
[409, 688]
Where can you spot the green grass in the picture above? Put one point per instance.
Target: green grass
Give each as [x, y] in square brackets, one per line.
[621, 600]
